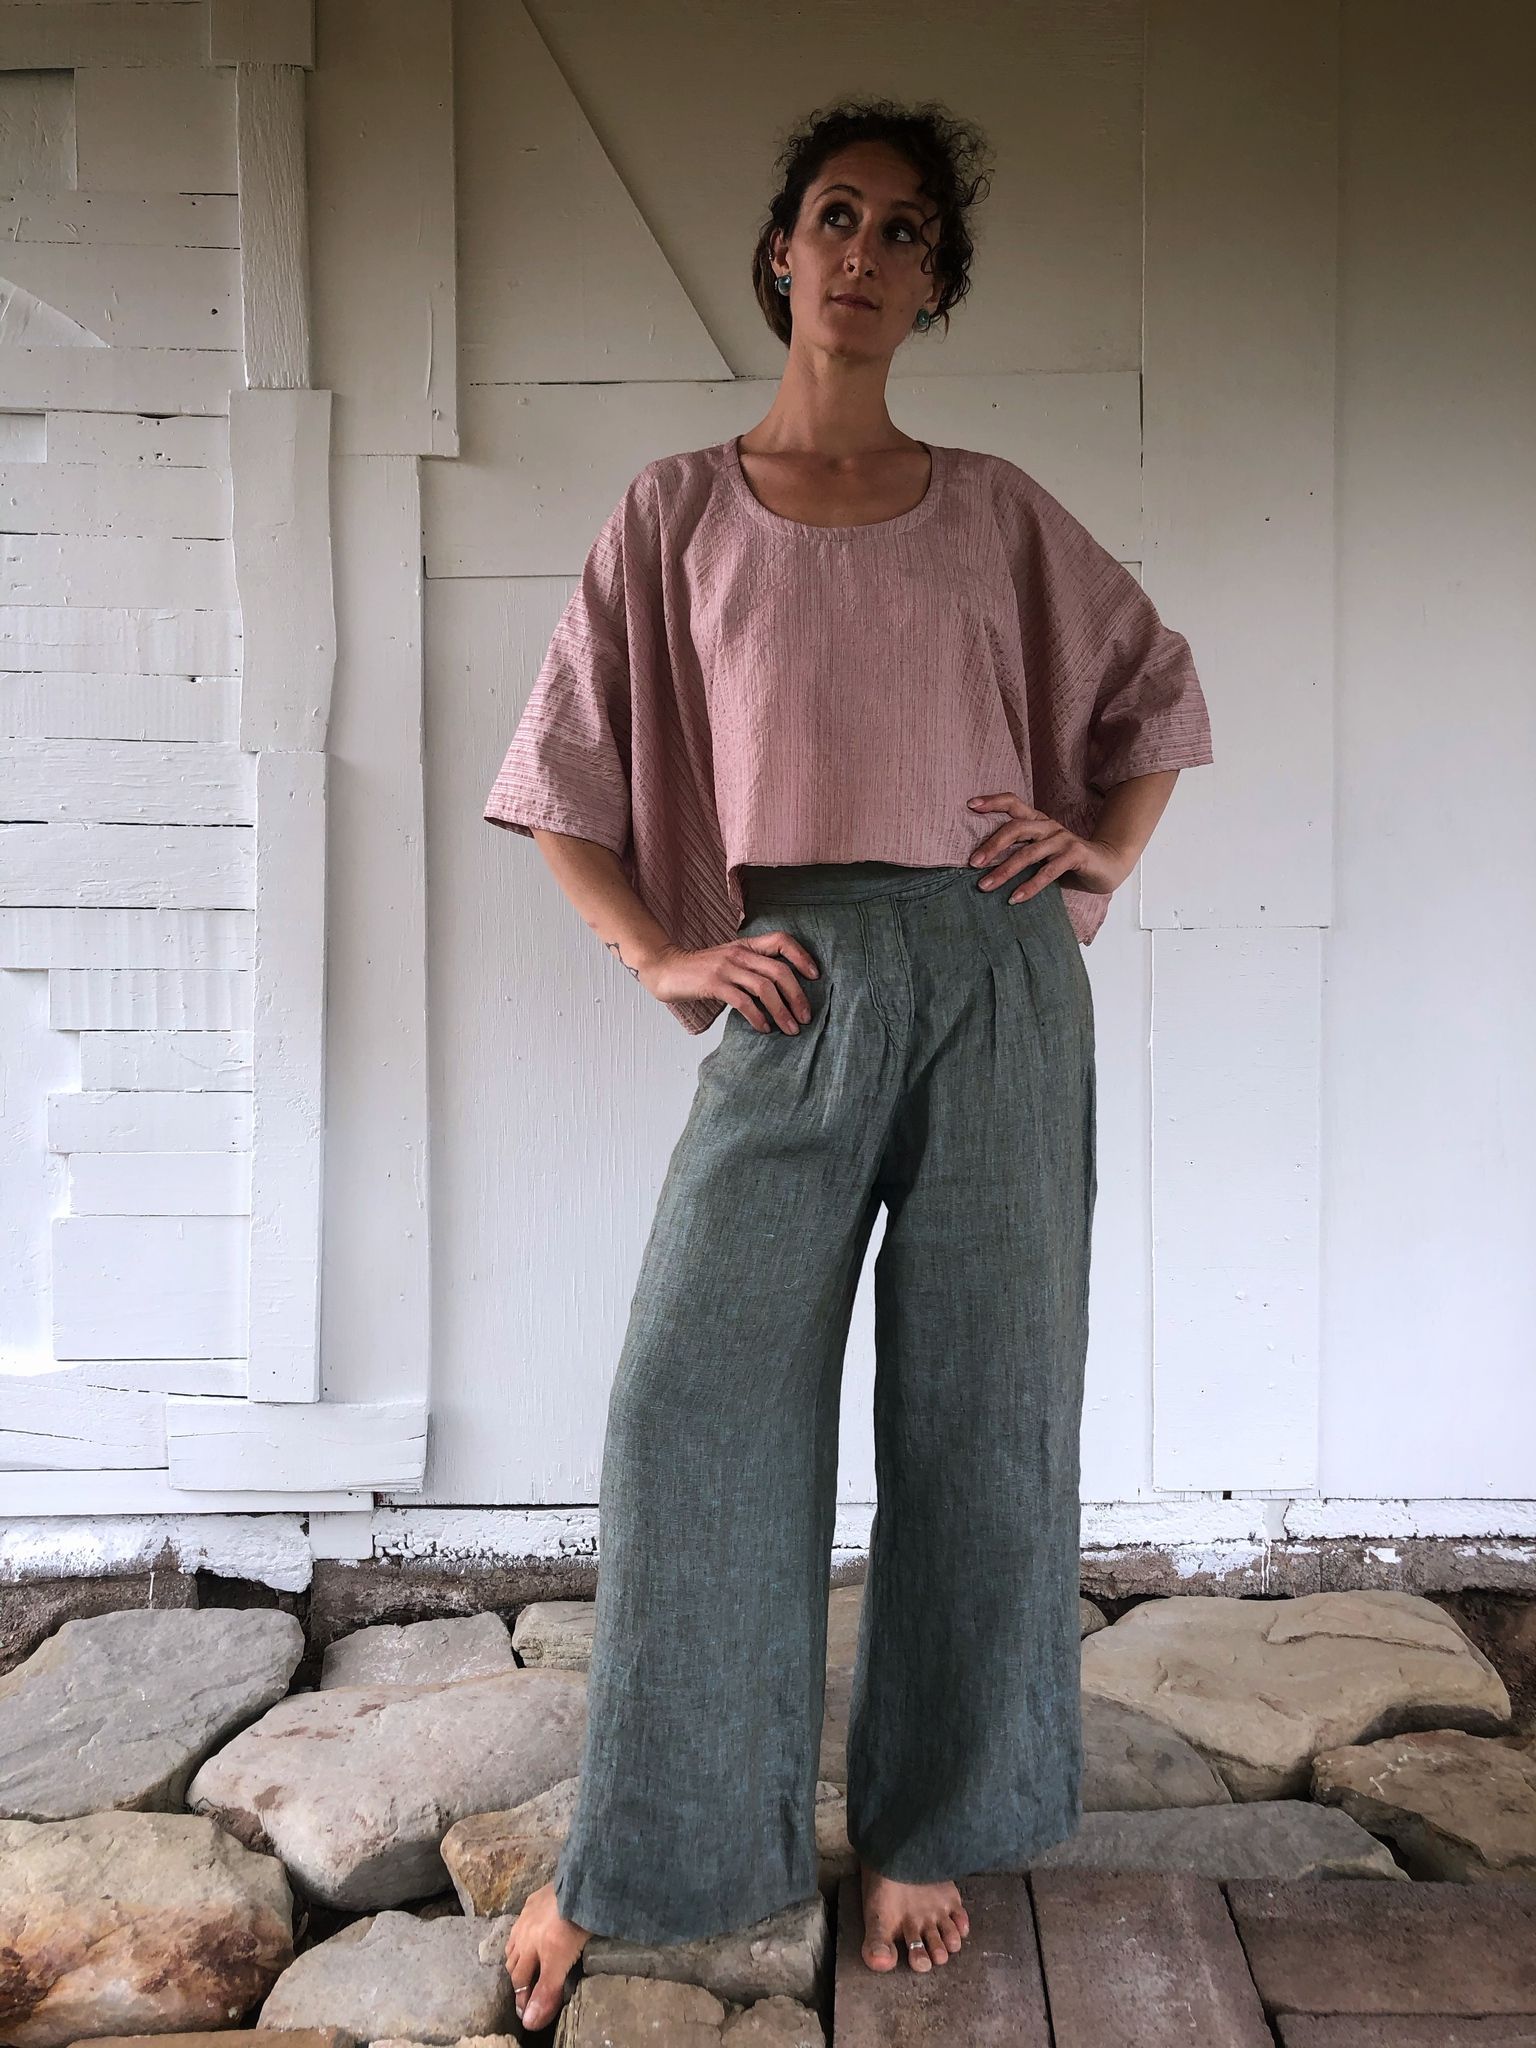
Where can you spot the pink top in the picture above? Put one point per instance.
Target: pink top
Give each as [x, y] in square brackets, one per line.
[728, 687]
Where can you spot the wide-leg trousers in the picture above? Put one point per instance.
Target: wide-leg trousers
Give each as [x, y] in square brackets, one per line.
[947, 1071]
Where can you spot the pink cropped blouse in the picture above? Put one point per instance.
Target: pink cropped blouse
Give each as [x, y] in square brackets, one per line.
[727, 687]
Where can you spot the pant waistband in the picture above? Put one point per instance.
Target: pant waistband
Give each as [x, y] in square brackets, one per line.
[847, 880]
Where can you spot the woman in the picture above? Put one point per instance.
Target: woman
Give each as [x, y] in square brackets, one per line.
[813, 679]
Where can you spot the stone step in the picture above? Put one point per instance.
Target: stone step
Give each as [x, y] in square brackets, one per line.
[1137, 1959]
[1367, 1945]
[989, 1995]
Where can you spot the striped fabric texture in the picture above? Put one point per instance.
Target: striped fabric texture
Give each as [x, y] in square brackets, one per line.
[727, 687]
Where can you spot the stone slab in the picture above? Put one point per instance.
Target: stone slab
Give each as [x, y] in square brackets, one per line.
[1133, 1762]
[354, 1787]
[785, 1954]
[419, 1652]
[1366, 1945]
[1260, 1686]
[394, 1976]
[988, 1995]
[1136, 1959]
[389, 2041]
[607, 2012]
[556, 1633]
[1268, 1838]
[1454, 1806]
[774, 2023]
[32, 1609]
[117, 1710]
[496, 1859]
[126, 1923]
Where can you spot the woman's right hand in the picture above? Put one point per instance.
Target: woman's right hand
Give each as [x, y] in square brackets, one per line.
[754, 975]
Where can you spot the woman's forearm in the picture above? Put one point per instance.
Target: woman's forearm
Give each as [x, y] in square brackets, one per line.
[1130, 813]
[593, 878]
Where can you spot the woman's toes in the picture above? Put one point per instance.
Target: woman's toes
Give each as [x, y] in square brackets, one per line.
[520, 1972]
[950, 1932]
[917, 1955]
[938, 1947]
[535, 1987]
[879, 1950]
[528, 1999]
[542, 2002]
[541, 1948]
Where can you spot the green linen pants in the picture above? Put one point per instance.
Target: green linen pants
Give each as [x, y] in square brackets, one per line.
[947, 1070]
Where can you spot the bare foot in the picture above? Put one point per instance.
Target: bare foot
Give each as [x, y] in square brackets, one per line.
[929, 1918]
[541, 1947]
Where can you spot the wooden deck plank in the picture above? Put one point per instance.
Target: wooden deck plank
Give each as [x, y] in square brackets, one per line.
[1403, 2030]
[1143, 1959]
[988, 1995]
[1369, 1945]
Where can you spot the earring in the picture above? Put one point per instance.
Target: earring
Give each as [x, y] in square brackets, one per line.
[924, 319]
[783, 284]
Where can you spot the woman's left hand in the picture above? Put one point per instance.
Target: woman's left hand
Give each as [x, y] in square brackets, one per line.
[1028, 836]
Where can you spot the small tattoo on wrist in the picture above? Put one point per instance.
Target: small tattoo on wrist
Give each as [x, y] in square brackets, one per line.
[613, 947]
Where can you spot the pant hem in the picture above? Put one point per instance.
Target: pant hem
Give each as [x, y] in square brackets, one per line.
[586, 1904]
[974, 1862]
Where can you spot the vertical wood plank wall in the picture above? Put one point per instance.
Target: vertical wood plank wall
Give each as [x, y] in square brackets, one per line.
[1428, 1102]
[1241, 262]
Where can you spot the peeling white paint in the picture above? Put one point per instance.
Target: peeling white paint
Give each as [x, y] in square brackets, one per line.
[271, 1549]
[1224, 1542]
[514, 1535]
[1341, 1516]
[1182, 1519]
[484, 1535]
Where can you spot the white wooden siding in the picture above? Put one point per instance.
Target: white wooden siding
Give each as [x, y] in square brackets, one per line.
[328, 335]
[167, 643]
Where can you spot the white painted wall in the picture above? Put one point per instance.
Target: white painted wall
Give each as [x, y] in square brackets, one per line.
[1215, 1364]
[321, 359]
[1428, 1301]
[168, 634]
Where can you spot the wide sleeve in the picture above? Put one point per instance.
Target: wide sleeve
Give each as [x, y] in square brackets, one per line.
[1112, 691]
[567, 768]
[1149, 710]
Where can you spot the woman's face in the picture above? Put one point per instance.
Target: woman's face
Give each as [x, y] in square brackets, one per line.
[864, 232]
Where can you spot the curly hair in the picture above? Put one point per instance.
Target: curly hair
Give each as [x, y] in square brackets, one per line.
[948, 155]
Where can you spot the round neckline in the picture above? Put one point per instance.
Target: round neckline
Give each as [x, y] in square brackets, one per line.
[899, 522]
